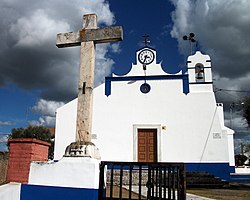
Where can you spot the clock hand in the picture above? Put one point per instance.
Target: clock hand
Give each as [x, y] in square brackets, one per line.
[144, 65]
[145, 57]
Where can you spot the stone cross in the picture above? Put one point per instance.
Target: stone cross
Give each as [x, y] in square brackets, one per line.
[87, 38]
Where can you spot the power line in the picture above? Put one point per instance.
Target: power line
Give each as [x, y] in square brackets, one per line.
[230, 90]
[227, 93]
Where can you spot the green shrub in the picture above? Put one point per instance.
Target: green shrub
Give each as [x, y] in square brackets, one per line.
[36, 132]
[240, 159]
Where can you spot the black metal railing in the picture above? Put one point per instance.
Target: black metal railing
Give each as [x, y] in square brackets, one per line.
[140, 180]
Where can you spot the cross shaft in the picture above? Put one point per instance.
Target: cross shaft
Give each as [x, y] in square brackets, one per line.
[87, 38]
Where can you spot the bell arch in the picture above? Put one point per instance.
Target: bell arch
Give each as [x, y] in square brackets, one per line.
[199, 73]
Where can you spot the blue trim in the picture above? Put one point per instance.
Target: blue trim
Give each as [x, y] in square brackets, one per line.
[204, 83]
[185, 82]
[38, 192]
[202, 67]
[189, 61]
[232, 169]
[240, 178]
[221, 170]
[118, 167]
[184, 78]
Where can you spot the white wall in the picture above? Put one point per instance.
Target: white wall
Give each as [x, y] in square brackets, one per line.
[190, 122]
[65, 128]
[79, 172]
[230, 135]
[194, 132]
[10, 191]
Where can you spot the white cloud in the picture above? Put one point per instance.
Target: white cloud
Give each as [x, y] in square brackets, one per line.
[47, 108]
[47, 111]
[103, 64]
[181, 17]
[47, 121]
[115, 48]
[36, 29]
[6, 123]
[3, 138]
[101, 8]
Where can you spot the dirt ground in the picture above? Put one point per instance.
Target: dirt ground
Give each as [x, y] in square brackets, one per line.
[125, 193]
[234, 191]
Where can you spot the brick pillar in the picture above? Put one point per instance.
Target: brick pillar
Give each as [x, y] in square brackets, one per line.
[21, 152]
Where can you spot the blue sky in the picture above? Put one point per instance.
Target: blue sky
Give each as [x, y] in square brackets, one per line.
[36, 77]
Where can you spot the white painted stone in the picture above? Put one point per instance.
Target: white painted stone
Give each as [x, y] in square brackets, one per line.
[10, 191]
[78, 172]
[242, 170]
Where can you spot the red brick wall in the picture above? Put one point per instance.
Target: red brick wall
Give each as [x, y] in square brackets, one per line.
[21, 152]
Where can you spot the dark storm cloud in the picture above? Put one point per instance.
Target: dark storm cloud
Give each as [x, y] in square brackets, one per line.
[222, 30]
[29, 57]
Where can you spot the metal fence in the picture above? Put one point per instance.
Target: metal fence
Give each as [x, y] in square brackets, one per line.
[140, 180]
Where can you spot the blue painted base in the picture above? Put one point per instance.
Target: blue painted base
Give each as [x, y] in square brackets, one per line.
[38, 192]
[244, 178]
[221, 170]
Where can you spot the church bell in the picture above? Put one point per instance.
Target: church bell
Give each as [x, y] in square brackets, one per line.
[199, 72]
[200, 75]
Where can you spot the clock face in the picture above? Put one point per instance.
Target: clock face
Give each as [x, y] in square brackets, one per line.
[146, 56]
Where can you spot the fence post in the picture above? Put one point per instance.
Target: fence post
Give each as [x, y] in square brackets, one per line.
[101, 190]
[183, 182]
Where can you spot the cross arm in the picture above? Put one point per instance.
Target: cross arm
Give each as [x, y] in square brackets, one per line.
[100, 35]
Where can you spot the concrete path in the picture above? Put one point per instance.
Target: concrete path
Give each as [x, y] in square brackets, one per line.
[144, 193]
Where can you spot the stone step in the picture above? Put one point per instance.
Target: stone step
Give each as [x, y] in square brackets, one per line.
[193, 179]
[204, 180]
[240, 178]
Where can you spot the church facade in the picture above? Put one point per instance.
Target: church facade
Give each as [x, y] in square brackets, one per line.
[149, 115]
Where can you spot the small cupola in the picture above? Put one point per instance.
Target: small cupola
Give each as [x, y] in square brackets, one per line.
[199, 70]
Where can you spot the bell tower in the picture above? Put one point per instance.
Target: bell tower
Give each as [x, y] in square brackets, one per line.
[199, 72]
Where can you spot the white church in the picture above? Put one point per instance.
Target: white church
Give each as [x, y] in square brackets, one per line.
[149, 115]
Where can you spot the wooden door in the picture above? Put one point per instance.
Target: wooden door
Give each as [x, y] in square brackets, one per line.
[147, 145]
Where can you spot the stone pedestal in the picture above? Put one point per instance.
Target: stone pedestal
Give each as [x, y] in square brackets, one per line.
[82, 149]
